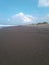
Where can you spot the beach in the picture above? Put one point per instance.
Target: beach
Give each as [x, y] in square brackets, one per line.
[24, 45]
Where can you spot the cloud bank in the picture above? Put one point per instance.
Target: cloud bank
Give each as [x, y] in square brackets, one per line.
[22, 18]
[43, 3]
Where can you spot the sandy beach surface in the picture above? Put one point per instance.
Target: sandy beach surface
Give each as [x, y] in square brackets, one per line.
[24, 45]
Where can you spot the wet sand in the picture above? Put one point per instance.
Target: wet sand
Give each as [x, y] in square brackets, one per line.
[24, 45]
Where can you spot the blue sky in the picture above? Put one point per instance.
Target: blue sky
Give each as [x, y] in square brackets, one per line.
[17, 12]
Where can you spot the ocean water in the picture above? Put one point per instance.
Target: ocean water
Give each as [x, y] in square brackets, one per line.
[2, 26]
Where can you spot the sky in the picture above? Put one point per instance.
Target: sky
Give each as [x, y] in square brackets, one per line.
[19, 12]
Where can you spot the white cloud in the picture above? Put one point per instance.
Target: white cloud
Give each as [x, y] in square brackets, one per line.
[21, 17]
[43, 3]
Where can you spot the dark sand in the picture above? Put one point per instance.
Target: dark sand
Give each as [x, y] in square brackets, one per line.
[24, 45]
